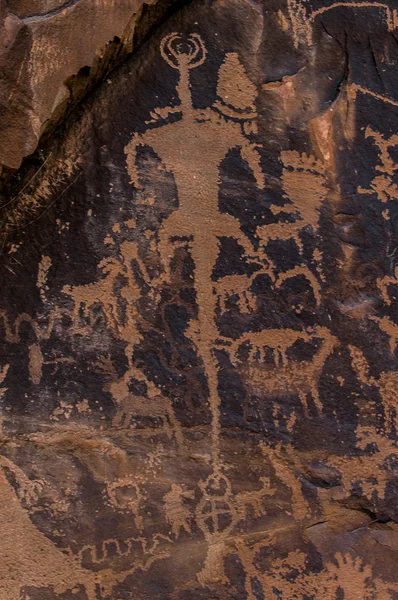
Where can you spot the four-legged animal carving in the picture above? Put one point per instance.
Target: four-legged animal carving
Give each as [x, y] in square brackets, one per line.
[292, 377]
[278, 340]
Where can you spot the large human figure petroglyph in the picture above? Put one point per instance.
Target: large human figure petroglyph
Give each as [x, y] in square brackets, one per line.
[192, 149]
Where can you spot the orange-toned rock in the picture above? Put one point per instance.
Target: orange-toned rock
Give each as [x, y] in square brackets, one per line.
[198, 310]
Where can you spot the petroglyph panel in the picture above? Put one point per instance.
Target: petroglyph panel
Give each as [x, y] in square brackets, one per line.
[199, 323]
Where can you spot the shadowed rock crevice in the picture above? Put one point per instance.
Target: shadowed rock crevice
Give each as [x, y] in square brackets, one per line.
[51, 13]
[14, 185]
[41, 86]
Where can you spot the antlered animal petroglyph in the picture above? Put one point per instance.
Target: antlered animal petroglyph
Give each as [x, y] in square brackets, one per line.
[304, 182]
[372, 471]
[278, 340]
[237, 285]
[153, 404]
[290, 377]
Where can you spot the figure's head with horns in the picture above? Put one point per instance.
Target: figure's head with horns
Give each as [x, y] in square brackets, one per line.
[236, 93]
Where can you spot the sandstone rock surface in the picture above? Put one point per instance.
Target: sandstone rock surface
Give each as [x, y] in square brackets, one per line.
[43, 46]
[198, 312]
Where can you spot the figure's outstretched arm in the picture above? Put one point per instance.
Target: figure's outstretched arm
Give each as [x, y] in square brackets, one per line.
[251, 155]
[164, 112]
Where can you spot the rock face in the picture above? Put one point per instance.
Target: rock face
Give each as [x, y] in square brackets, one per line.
[44, 45]
[198, 314]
